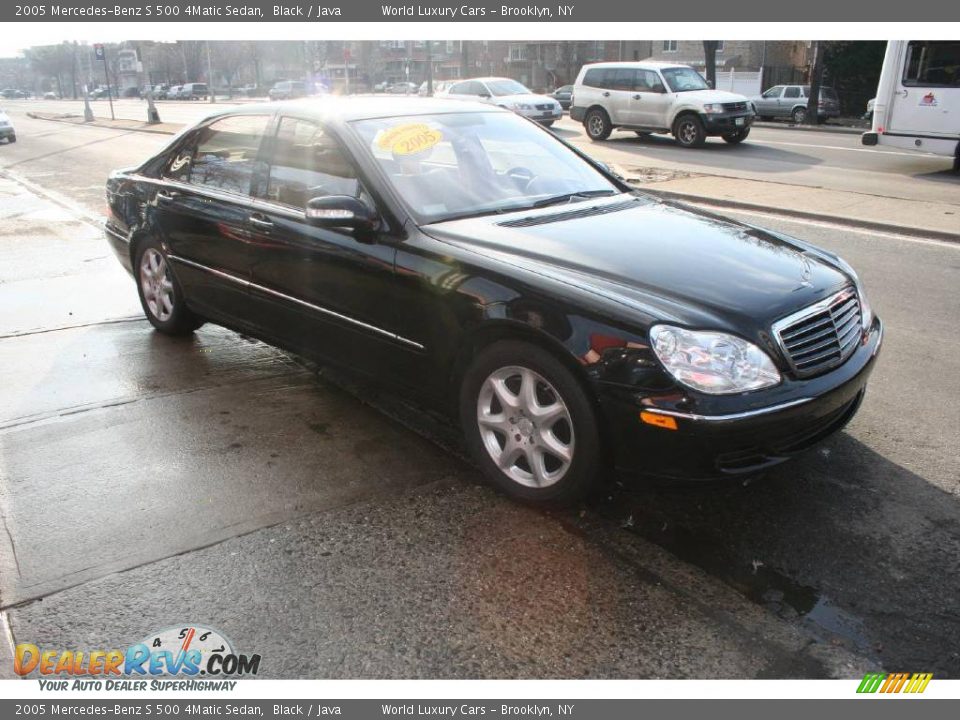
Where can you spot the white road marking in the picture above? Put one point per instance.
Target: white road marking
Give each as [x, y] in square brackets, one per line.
[927, 156]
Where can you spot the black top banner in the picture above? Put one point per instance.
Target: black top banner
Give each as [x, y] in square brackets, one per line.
[480, 11]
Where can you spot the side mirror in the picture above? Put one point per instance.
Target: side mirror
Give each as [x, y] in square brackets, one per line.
[340, 211]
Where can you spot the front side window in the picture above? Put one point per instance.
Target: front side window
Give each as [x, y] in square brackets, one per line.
[932, 64]
[649, 81]
[773, 92]
[306, 163]
[226, 154]
[460, 164]
[684, 79]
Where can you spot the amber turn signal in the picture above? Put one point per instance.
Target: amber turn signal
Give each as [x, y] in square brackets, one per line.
[661, 421]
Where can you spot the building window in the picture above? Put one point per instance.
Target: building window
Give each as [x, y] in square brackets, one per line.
[518, 53]
[720, 44]
[669, 45]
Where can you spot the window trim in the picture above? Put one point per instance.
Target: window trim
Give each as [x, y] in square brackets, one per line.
[671, 46]
[906, 67]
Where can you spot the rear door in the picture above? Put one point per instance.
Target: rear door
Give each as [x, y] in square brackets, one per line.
[202, 206]
[324, 291]
[927, 95]
[621, 98]
[792, 97]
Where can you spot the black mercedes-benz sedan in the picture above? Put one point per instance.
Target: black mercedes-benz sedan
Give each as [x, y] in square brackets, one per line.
[464, 254]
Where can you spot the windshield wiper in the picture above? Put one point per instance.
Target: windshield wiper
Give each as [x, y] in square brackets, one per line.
[567, 197]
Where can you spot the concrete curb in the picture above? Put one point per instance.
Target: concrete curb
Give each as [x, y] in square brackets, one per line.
[103, 123]
[804, 215]
[842, 129]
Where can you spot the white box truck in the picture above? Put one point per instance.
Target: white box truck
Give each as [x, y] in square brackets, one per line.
[918, 98]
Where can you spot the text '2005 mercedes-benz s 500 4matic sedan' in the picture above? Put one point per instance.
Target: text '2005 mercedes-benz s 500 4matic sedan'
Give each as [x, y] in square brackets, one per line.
[465, 255]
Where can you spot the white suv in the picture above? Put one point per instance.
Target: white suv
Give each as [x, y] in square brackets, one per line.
[653, 97]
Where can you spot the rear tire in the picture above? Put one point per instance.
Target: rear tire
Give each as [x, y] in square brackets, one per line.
[688, 131]
[597, 124]
[799, 116]
[529, 424]
[160, 293]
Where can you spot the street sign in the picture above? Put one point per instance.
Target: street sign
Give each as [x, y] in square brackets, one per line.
[98, 50]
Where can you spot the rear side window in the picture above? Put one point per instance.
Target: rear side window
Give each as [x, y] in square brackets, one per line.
[932, 64]
[622, 79]
[596, 77]
[306, 163]
[792, 92]
[226, 155]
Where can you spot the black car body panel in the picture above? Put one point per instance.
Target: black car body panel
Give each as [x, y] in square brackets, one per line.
[408, 304]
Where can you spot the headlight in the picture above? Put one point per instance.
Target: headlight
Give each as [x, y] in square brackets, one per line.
[713, 362]
[523, 106]
[865, 310]
[713, 108]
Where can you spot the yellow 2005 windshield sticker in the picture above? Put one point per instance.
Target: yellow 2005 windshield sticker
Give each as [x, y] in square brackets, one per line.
[409, 139]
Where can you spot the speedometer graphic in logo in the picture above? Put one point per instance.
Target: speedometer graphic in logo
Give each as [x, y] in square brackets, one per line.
[187, 648]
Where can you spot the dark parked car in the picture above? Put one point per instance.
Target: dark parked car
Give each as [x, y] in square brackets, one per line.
[564, 96]
[467, 256]
[790, 102]
[288, 90]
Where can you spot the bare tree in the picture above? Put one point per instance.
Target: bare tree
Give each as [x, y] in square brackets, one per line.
[710, 60]
[816, 76]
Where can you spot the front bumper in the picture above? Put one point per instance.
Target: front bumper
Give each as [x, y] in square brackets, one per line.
[542, 115]
[744, 440]
[726, 123]
[7, 132]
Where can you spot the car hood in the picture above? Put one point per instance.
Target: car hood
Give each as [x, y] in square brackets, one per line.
[4, 118]
[656, 260]
[529, 98]
[711, 96]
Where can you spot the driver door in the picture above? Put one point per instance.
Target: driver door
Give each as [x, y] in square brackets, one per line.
[327, 292]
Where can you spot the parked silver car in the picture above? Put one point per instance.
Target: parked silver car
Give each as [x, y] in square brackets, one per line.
[790, 101]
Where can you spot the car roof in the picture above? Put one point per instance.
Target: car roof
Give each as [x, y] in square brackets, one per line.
[348, 109]
[642, 64]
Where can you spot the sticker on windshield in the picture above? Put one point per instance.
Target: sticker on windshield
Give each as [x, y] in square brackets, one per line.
[409, 139]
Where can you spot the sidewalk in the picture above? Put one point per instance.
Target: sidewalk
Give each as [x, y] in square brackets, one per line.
[884, 214]
[118, 124]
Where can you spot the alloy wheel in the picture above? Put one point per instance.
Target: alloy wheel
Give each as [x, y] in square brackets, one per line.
[596, 125]
[525, 426]
[687, 132]
[157, 285]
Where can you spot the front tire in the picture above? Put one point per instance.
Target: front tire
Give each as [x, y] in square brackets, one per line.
[737, 137]
[688, 131]
[161, 296]
[597, 124]
[547, 123]
[12, 139]
[529, 424]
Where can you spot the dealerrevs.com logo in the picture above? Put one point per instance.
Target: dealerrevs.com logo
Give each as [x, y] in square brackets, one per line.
[177, 658]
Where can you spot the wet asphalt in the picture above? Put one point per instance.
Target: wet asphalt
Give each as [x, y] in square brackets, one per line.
[337, 530]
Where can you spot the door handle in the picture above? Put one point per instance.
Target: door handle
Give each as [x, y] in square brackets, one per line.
[167, 195]
[606, 94]
[260, 221]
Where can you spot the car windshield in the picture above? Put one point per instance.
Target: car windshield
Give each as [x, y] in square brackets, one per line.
[500, 88]
[684, 79]
[458, 165]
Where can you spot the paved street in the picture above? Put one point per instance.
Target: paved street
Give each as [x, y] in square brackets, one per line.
[339, 532]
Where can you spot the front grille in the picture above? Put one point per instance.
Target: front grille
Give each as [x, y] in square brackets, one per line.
[545, 107]
[735, 106]
[823, 335]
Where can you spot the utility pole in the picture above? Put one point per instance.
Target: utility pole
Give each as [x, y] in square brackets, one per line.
[430, 68]
[101, 52]
[816, 74]
[209, 74]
